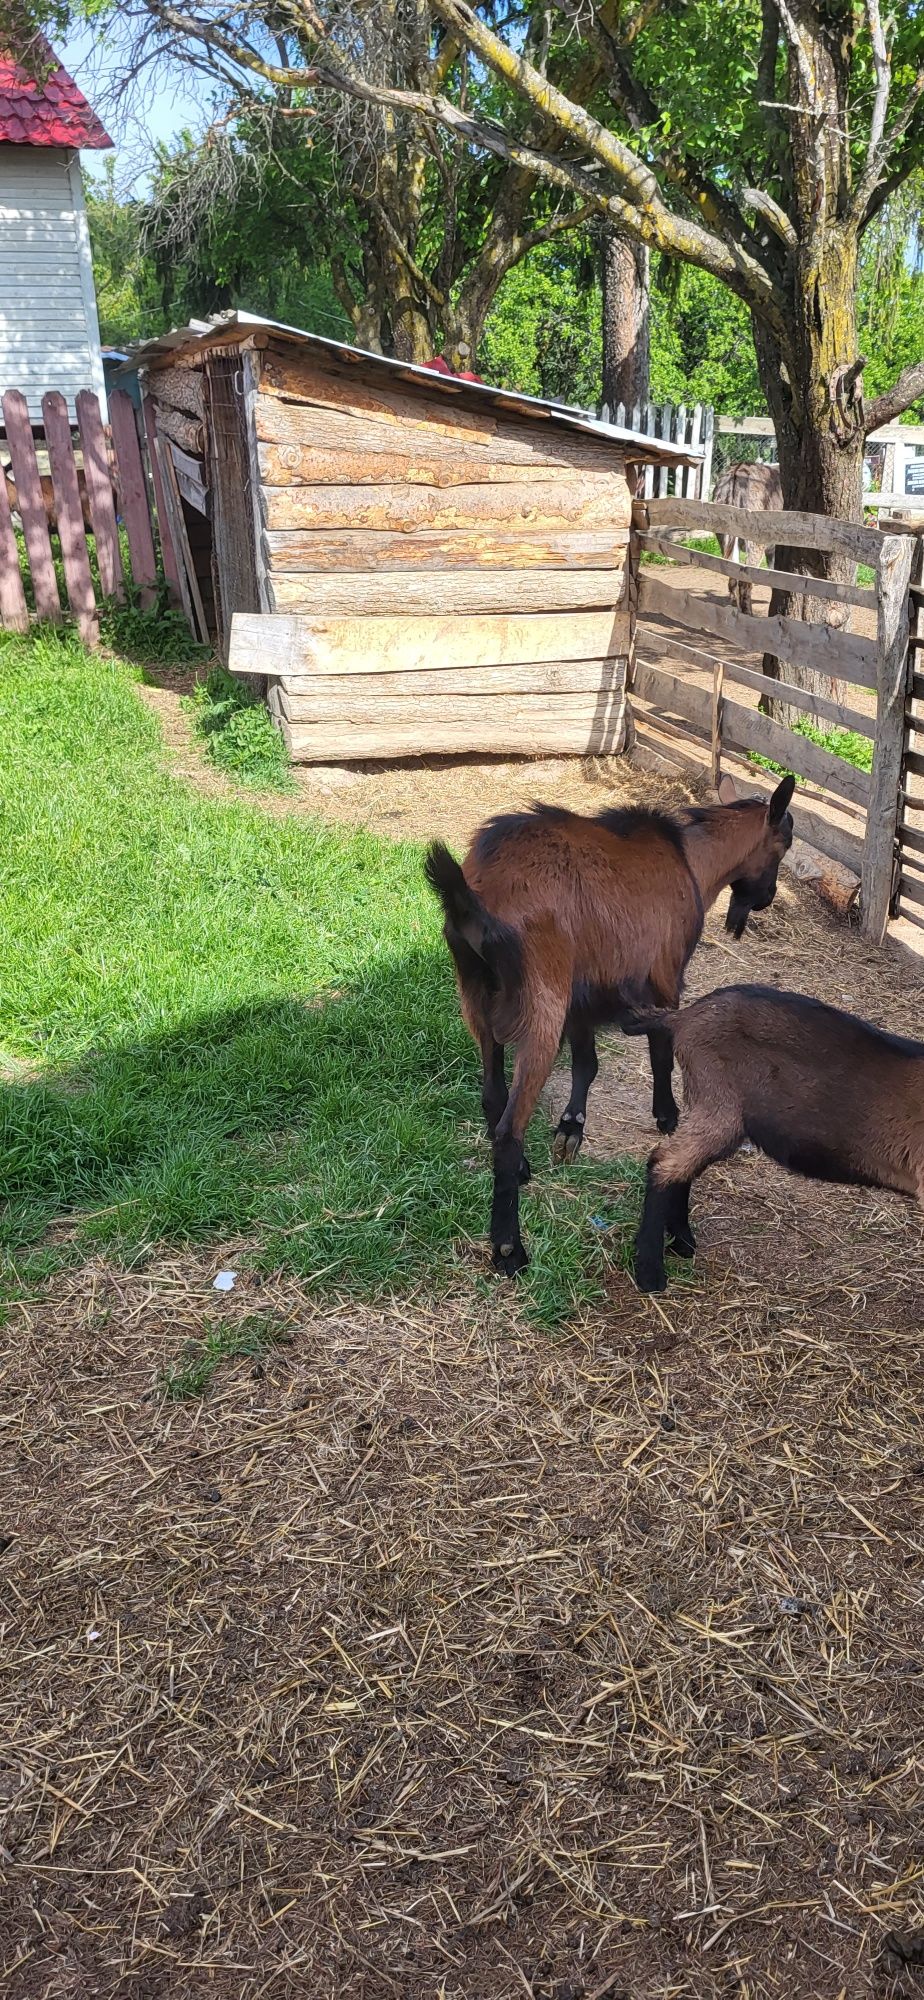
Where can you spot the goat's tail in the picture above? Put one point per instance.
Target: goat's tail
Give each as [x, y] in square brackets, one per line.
[641, 1020]
[481, 944]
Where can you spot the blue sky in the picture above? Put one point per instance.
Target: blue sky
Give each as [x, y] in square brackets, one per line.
[154, 111]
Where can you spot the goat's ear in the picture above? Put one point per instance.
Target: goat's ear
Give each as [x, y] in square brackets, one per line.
[780, 799]
[727, 792]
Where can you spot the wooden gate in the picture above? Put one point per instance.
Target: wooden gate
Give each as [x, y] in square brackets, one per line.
[691, 649]
[908, 896]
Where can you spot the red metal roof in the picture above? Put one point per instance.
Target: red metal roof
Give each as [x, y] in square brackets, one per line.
[48, 110]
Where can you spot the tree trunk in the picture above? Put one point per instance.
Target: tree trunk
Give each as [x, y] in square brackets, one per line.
[820, 441]
[625, 321]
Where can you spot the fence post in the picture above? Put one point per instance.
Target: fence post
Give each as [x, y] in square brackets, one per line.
[71, 531]
[900, 555]
[705, 487]
[133, 496]
[31, 504]
[13, 613]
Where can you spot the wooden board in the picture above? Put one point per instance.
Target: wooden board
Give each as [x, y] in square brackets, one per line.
[98, 476]
[133, 495]
[14, 615]
[522, 724]
[752, 731]
[526, 505]
[818, 706]
[298, 647]
[71, 530]
[790, 530]
[318, 696]
[773, 579]
[171, 566]
[515, 444]
[190, 479]
[360, 549]
[31, 504]
[900, 563]
[315, 465]
[840, 655]
[404, 591]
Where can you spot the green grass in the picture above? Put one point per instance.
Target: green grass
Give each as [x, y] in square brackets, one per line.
[844, 743]
[217, 1024]
[238, 732]
[201, 1359]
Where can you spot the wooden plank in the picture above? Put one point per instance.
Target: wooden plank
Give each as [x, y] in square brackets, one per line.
[192, 597]
[168, 553]
[298, 647]
[677, 697]
[774, 579]
[362, 549]
[527, 505]
[180, 388]
[403, 591]
[317, 695]
[187, 432]
[252, 362]
[909, 837]
[911, 891]
[515, 444]
[525, 725]
[189, 475]
[98, 475]
[818, 706]
[31, 505]
[790, 530]
[71, 531]
[14, 615]
[840, 655]
[752, 731]
[194, 469]
[313, 465]
[133, 496]
[899, 562]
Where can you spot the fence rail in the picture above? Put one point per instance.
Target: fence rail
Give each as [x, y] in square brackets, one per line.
[858, 825]
[82, 505]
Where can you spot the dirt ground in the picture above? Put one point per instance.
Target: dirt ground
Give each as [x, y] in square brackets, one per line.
[427, 1656]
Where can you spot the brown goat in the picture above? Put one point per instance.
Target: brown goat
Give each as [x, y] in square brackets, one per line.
[48, 496]
[759, 489]
[560, 924]
[820, 1091]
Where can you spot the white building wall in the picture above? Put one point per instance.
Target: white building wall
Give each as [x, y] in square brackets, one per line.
[49, 332]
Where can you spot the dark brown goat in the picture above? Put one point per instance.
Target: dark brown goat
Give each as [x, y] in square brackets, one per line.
[759, 489]
[820, 1091]
[560, 924]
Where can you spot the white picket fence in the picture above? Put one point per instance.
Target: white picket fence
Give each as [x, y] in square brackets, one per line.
[678, 425]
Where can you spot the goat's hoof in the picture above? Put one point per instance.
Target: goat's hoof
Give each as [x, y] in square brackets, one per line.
[668, 1121]
[649, 1275]
[567, 1142]
[509, 1259]
[526, 1172]
[682, 1245]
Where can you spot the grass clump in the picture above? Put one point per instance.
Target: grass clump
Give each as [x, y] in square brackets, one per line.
[219, 1024]
[238, 732]
[250, 1339]
[845, 743]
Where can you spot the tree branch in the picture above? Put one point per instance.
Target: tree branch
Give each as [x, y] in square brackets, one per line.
[866, 204]
[907, 390]
[401, 250]
[883, 71]
[572, 219]
[765, 205]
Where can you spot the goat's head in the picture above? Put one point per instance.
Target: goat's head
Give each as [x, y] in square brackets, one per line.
[755, 887]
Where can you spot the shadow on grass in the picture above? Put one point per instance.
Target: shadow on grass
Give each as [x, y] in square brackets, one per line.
[340, 1136]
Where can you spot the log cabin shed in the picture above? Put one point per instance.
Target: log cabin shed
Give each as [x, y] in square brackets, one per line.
[411, 563]
[49, 330]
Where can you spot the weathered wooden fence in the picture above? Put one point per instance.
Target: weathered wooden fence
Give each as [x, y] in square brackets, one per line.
[848, 814]
[87, 503]
[676, 424]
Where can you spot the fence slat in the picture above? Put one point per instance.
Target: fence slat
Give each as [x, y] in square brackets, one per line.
[71, 531]
[774, 579]
[99, 494]
[14, 614]
[900, 559]
[31, 505]
[790, 529]
[838, 654]
[667, 418]
[171, 566]
[133, 493]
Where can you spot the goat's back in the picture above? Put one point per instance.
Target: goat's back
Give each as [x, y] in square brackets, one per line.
[820, 1090]
[608, 900]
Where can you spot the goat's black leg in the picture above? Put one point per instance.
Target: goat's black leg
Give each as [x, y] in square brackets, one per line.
[663, 1103]
[535, 1057]
[584, 1067]
[509, 1255]
[650, 1275]
[494, 1094]
[680, 1238]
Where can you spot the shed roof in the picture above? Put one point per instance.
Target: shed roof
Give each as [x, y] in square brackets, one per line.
[48, 109]
[475, 395]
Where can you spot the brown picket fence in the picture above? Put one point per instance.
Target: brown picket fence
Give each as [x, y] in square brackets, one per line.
[113, 486]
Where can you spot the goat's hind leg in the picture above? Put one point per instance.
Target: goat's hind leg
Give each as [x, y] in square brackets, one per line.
[671, 1169]
[535, 1057]
[494, 1093]
[584, 1067]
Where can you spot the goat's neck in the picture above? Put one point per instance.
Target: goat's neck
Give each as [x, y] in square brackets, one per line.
[717, 848]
